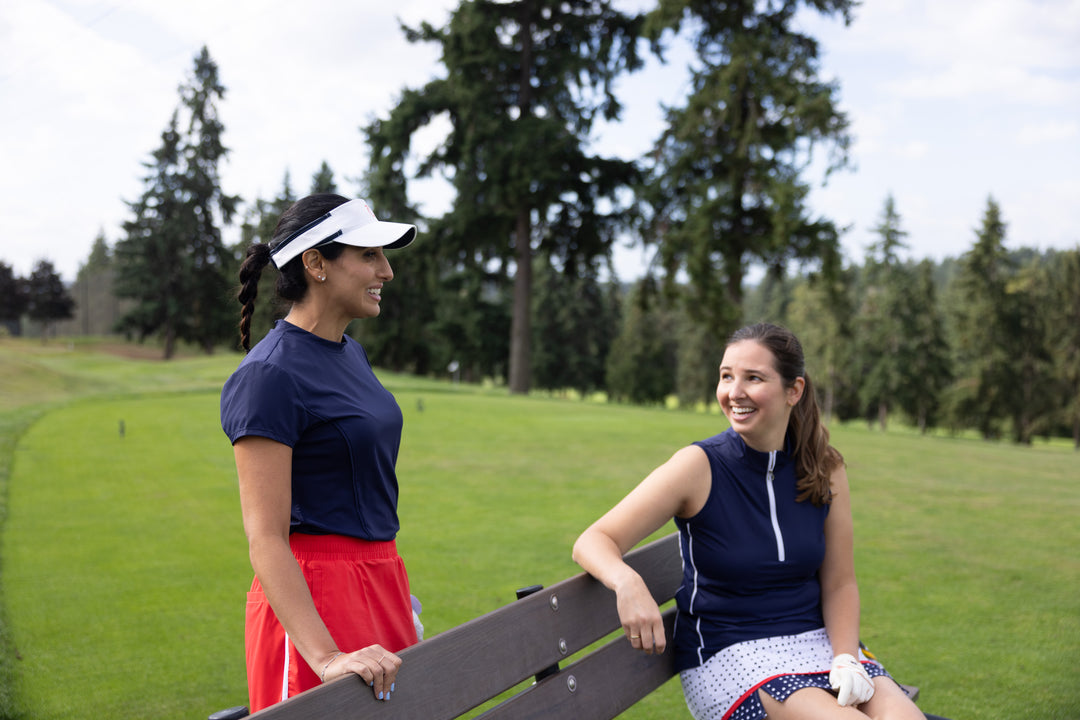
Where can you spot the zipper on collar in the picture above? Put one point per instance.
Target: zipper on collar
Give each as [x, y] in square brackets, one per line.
[780, 554]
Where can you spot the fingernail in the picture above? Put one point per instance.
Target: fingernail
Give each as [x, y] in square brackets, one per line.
[371, 683]
[380, 696]
[392, 686]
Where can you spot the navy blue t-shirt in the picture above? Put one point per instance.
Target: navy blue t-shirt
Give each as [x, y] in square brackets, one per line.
[322, 399]
[750, 557]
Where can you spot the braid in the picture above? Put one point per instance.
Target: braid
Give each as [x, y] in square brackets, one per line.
[258, 257]
[291, 281]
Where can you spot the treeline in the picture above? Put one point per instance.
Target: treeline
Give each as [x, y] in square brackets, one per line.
[510, 283]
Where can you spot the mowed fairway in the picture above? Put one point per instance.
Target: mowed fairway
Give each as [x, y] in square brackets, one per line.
[125, 567]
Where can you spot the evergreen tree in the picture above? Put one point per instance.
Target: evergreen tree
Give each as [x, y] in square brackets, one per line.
[885, 346]
[172, 261]
[47, 300]
[928, 367]
[1029, 368]
[208, 281]
[323, 180]
[983, 391]
[698, 362]
[1063, 334]
[525, 82]
[574, 323]
[724, 187]
[822, 316]
[641, 366]
[100, 258]
[150, 258]
[13, 299]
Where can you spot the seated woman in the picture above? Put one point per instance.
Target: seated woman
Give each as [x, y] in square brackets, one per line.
[768, 611]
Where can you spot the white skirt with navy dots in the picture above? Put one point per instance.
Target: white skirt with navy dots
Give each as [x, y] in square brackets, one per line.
[725, 687]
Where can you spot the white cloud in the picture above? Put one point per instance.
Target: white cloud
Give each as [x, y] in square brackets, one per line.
[949, 102]
[1049, 132]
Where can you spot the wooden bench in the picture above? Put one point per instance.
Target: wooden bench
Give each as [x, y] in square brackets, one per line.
[462, 668]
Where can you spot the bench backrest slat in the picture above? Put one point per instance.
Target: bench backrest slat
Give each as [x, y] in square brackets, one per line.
[600, 686]
[457, 670]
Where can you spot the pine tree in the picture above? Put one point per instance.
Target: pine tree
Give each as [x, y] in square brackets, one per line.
[927, 371]
[323, 180]
[1029, 366]
[525, 82]
[822, 316]
[983, 392]
[574, 321]
[47, 300]
[173, 262]
[13, 299]
[1063, 331]
[208, 281]
[724, 187]
[641, 367]
[150, 258]
[884, 341]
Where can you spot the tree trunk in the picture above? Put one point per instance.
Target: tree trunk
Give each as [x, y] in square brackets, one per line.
[170, 340]
[521, 321]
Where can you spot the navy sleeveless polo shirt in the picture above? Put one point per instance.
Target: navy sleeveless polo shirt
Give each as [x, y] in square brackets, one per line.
[750, 557]
[323, 400]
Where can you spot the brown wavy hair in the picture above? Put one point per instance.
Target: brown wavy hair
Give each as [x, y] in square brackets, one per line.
[815, 458]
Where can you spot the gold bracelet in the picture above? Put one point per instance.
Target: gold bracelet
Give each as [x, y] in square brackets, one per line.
[322, 675]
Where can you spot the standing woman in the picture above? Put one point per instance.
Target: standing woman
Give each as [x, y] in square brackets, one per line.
[315, 437]
[768, 610]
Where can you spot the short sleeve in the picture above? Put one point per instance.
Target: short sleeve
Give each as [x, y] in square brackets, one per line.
[261, 399]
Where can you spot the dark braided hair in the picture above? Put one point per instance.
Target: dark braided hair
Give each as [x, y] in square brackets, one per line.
[292, 281]
[815, 458]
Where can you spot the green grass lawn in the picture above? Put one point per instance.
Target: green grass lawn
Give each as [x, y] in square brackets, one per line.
[124, 564]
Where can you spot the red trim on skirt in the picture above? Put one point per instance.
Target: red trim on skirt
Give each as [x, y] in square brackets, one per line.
[361, 592]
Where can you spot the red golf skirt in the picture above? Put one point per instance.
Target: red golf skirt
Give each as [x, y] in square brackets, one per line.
[361, 592]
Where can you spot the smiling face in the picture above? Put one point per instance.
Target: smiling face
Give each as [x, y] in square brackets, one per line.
[356, 279]
[754, 396]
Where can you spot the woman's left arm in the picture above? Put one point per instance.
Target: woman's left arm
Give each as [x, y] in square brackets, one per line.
[839, 589]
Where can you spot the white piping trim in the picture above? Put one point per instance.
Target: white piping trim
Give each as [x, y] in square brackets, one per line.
[772, 508]
[693, 595]
[285, 671]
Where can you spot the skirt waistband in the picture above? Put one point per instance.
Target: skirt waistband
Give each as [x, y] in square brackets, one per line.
[310, 546]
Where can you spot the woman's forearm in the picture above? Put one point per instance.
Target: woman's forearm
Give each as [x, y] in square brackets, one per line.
[289, 596]
[840, 607]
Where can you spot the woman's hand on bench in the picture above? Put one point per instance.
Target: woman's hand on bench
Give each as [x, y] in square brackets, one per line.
[374, 664]
[640, 615]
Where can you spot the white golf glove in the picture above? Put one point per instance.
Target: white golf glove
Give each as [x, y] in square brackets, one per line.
[848, 677]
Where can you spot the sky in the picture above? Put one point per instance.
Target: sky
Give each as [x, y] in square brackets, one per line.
[950, 104]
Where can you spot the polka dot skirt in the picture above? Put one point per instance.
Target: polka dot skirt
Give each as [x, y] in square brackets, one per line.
[725, 687]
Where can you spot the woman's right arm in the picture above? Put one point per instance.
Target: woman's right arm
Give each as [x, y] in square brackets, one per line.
[680, 488]
[264, 468]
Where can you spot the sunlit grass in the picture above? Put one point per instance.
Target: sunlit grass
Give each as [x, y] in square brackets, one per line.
[124, 564]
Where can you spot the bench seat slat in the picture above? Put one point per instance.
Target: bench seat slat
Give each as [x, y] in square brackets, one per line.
[459, 669]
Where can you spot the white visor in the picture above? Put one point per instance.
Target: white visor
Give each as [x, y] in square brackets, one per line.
[352, 223]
